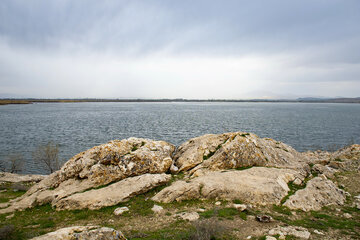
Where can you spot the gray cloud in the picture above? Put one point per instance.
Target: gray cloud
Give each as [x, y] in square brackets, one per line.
[163, 48]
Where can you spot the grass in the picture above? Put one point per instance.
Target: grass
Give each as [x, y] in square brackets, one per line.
[293, 188]
[226, 213]
[10, 194]
[282, 209]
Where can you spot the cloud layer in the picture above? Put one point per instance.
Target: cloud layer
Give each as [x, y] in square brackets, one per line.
[174, 49]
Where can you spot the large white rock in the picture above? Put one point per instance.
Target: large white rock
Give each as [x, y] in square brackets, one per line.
[82, 233]
[258, 185]
[233, 150]
[98, 166]
[318, 192]
[113, 194]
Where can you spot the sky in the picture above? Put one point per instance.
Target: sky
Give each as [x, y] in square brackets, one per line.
[198, 49]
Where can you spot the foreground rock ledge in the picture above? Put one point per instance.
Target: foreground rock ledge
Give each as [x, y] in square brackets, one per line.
[319, 192]
[83, 232]
[115, 193]
[258, 185]
[98, 166]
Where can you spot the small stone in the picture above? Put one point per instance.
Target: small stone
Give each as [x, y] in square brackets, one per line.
[282, 237]
[200, 210]
[270, 238]
[264, 218]
[357, 197]
[192, 216]
[338, 209]
[240, 207]
[218, 203]
[120, 210]
[347, 215]
[10, 216]
[249, 237]
[157, 209]
[318, 232]
[111, 221]
[297, 181]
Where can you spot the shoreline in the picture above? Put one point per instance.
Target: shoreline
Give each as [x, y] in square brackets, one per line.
[7, 101]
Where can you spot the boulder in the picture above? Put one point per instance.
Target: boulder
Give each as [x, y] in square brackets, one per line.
[235, 150]
[318, 192]
[83, 232]
[96, 167]
[257, 185]
[113, 194]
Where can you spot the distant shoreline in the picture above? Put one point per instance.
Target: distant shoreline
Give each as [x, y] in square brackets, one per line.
[7, 101]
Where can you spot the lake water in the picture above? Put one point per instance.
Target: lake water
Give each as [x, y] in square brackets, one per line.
[80, 126]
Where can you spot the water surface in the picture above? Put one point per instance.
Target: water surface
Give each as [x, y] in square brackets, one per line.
[79, 126]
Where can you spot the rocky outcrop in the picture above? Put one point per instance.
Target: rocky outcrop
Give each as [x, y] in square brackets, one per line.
[257, 185]
[111, 195]
[319, 192]
[20, 178]
[235, 150]
[98, 166]
[298, 232]
[83, 232]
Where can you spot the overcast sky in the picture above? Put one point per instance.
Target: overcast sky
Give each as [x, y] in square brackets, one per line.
[179, 49]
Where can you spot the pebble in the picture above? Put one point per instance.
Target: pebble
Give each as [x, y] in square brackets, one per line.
[157, 209]
[218, 203]
[120, 210]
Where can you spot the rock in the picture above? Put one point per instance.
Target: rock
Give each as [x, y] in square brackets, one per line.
[326, 170]
[192, 216]
[240, 207]
[270, 238]
[257, 185]
[4, 205]
[347, 215]
[200, 210]
[217, 203]
[20, 178]
[282, 237]
[113, 194]
[120, 210]
[248, 237]
[318, 232]
[10, 216]
[234, 150]
[298, 232]
[157, 209]
[264, 219]
[319, 192]
[96, 167]
[297, 181]
[83, 232]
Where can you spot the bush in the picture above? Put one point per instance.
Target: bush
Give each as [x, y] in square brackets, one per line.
[48, 155]
[207, 230]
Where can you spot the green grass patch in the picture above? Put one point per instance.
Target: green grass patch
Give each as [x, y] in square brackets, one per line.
[282, 209]
[10, 194]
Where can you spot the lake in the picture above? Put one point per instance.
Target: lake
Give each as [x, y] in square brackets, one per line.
[80, 126]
